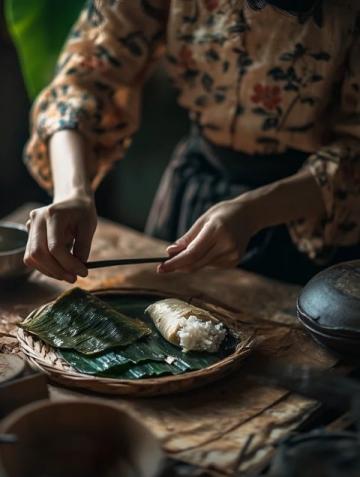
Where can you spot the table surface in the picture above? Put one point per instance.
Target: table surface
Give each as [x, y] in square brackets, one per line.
[207, 427]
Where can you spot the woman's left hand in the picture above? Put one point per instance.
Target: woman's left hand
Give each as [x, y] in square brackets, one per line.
[218, 238]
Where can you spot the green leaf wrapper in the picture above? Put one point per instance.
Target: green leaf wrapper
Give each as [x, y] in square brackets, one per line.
[79, 320]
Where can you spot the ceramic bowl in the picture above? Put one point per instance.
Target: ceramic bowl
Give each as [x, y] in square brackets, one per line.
[78, 438]
[13, 238]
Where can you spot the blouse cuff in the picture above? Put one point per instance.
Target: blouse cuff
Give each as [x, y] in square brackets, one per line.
[316, 237]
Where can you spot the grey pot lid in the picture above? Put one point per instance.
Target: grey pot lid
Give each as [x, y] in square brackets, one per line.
[331, 300]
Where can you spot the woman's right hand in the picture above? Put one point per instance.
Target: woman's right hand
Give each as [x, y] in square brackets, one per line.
[60, 237]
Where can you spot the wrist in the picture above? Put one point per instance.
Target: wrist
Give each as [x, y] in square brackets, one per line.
[83, 192]
[262, 207]
[242, 210]
[295, 197]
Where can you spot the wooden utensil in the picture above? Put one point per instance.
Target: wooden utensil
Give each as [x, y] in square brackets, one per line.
[124, 261]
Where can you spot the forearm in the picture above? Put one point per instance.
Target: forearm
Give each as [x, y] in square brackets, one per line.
[292, 198]
[70, 169]
[221, 235]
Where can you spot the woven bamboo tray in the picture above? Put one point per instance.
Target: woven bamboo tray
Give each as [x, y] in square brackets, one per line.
[44, 358]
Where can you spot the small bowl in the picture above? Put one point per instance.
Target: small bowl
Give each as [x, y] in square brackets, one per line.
[78, 438]
[13, 239]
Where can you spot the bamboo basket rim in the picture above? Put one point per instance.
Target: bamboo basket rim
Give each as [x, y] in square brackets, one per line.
[44, 358]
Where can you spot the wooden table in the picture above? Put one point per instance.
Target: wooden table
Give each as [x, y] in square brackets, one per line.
[209, 427]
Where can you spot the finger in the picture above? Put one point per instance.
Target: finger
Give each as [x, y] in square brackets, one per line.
[216, 255]
[28, 225]
[163, 267]
[214, 259]
[82, 244]
[195, 251]
[46, 271]
[211, 257]
[38, 257]
[37, 254]
[59, 247]
[174, 249]
[186, 239]
[188, 267]
[37, 266]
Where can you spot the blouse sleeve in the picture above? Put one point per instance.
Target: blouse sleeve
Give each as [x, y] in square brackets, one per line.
[336, 169]
[97, 86]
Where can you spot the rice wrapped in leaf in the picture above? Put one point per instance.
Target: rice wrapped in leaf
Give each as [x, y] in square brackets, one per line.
[186, 325]
[79, 320]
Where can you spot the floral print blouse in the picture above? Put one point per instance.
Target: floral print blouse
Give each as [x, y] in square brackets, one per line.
[252, 76]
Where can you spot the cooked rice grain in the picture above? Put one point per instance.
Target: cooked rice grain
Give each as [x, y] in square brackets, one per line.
[200, 335]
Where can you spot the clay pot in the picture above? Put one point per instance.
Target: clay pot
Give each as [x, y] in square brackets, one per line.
[329, 307]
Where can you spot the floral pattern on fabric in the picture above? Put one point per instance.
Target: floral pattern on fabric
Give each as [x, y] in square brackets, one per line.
[267, 96]
[98, 82]
[256, 80]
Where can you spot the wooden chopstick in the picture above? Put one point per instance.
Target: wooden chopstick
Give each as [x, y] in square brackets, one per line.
[124, 261]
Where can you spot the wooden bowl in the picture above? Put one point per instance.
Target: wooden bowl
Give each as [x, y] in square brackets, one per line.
[329, 307]
[82, 438]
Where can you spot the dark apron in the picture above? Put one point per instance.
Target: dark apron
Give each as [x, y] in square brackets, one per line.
[202, 174]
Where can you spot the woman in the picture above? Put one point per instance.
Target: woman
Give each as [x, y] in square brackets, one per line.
[272, 88]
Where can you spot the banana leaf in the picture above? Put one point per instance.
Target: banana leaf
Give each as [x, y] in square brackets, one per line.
[153, 351]
[79, 320]
[39, 29]
[148, 357]
[116, 365]
[145, 370]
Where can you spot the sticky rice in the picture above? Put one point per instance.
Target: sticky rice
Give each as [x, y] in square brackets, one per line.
[195, 334]
[187, 326]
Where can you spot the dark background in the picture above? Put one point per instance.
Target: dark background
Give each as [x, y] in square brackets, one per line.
[126, 195]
